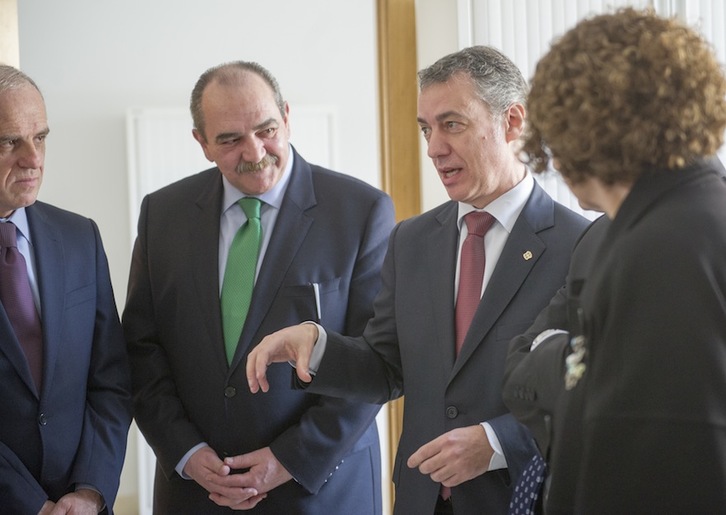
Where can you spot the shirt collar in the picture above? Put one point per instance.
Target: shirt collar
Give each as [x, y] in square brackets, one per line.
[20, 219]
[505, 208]
[273, 197]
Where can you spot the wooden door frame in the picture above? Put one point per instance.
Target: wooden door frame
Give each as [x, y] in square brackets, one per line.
[400, 162]
[9, 39]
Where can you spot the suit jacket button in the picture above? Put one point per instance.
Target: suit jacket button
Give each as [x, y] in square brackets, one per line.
[452, 412]
[42, 420]
[230, 392]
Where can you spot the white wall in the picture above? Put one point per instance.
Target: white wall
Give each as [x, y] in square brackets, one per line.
[436, 36]
[94, 59]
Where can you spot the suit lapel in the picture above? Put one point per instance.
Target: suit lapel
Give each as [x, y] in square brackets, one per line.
[441, 253]
[202, 224]
[291, 228]
[50, 265]
[10, 347]
[519, 255]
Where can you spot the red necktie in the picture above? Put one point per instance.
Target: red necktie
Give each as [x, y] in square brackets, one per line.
[17, 299]
[471, 278]
[471, 272]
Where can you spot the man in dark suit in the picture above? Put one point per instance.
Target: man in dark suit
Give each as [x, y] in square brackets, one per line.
[460, 449]
[65, 394]
[651, 382]
[324, 236]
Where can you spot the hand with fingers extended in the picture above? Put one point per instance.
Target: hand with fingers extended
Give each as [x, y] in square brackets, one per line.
[205, 467]
[293, 344]
[454, 457]
[263, 473]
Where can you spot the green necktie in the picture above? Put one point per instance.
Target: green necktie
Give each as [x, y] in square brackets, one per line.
[239, 275]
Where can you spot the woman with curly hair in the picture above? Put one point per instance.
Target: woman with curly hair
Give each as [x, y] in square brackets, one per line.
[631, 108]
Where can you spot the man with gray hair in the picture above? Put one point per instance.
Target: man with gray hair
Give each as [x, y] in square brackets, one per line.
[459, 281]
[65, 390]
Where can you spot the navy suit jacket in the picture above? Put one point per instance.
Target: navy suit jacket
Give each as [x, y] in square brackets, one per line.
[408, 347]
[74, 431]
[331, 230]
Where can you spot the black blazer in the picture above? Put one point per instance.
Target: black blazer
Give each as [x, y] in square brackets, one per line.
[654, 420]
[641, 432]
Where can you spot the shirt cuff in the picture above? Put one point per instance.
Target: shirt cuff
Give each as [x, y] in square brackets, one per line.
[498, 460]
[543, 336]
[183, 462]
[317, 355]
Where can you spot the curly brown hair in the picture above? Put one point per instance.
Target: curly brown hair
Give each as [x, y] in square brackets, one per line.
[622, 94]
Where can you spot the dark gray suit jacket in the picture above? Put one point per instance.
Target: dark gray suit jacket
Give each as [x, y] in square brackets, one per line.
[408, 347]
[74, 431]
[332, 230]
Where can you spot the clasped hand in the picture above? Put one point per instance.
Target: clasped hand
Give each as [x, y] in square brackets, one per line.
[237, 491]
[80, 502]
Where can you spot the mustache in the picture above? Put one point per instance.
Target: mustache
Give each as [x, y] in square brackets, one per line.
[247, 167]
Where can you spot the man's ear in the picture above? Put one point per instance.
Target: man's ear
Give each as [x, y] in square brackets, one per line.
[514, 119]
[203, 142]
[286, 119]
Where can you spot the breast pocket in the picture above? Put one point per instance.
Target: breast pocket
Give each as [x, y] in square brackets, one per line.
[79, 315]
[316, 301]
[80, 295]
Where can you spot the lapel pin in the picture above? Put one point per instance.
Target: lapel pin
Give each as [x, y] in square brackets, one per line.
[527, 255]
